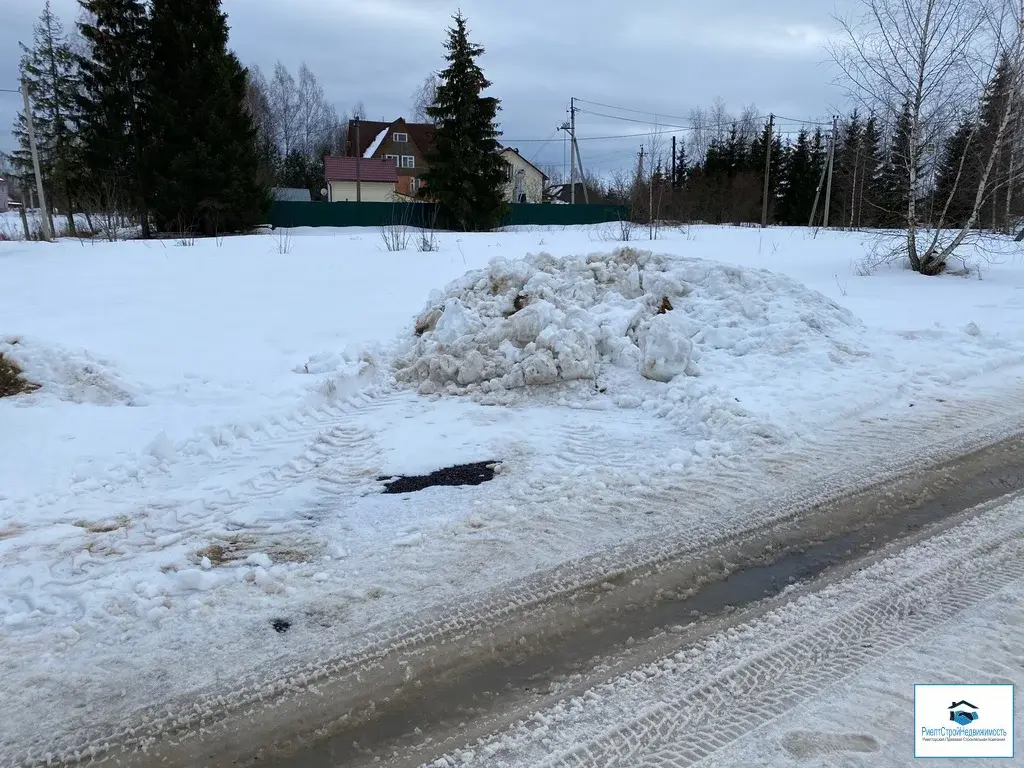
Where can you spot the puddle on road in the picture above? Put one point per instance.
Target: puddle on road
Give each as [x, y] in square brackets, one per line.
[461, 474]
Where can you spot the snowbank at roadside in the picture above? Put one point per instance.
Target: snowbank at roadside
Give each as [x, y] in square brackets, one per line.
[73, 376]
[615, 317]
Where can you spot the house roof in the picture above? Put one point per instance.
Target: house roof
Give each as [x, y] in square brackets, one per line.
[538, 170]
[369, 130]
[290, 194]
[344, 169]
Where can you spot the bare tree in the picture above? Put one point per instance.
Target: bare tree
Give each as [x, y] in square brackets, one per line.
[1004, 28]
[284, 97]
[720, 119]
[257, 104]
[749, 123]
[911, 57]
[317, 118]
[424, 97]
[700, 135]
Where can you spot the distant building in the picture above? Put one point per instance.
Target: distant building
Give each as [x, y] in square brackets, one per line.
[376, 179]
[292, 195]
[4, 198]
[404, 145]
[524, 182]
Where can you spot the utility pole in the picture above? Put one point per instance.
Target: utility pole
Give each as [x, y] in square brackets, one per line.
[29, 123]
[817, 193]
[767, 168]
[583, 177]
[359, 158]
[831, 165]
[572, 150]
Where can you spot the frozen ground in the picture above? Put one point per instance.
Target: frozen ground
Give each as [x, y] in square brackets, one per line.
[202, 457]
[825, 680]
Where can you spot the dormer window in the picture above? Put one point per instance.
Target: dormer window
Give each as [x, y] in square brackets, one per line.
[400, 138]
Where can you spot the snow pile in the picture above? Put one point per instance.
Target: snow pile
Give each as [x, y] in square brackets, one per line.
[72, 376]
[543, 321]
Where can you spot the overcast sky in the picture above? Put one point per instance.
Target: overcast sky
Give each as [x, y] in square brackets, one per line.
[661, 56]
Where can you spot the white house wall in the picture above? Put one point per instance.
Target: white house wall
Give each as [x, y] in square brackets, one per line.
[372, 192]
[533, 180]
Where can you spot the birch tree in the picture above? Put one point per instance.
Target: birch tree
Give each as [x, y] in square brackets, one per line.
[912, 58]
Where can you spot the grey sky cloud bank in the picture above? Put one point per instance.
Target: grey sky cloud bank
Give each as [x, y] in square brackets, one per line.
[660, 56]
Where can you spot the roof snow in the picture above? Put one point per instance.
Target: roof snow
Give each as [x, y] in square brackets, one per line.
[375, 145]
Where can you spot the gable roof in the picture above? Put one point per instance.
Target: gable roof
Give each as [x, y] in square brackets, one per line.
[516, 151]
[344, 169]
[420, 133]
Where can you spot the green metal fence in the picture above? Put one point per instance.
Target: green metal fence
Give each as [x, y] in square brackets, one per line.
[301, 214]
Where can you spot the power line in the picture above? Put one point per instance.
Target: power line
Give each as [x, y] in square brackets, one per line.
[691, 119]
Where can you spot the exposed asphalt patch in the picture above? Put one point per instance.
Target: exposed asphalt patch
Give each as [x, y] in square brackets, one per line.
[281, 625]
[460, 474]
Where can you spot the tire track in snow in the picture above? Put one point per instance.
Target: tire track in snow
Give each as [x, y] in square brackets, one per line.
[218, 451]
[331, 449]
[851, 457]
[686, 708]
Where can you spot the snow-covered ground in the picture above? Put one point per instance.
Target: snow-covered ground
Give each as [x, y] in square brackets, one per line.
[827, 679]
[203, 455]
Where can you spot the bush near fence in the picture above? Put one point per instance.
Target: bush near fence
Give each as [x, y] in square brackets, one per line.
[302, 214]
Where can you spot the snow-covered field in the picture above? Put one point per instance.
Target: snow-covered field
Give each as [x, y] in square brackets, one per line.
[825, 680]
[203, 456]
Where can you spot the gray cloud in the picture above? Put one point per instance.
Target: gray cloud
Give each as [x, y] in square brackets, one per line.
[661, 56]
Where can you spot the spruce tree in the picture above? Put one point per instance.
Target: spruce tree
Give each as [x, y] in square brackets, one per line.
[50, 69]
[205, 172]
[846, 174]
[466, 172]
[681, 167]
[756, 166]
[895, 187]
[956, 178]
[870, 176]
[998, 92]
[799, 182]
[111, 105]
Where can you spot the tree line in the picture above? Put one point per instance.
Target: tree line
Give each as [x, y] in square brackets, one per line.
[141, 111]
[871, 185]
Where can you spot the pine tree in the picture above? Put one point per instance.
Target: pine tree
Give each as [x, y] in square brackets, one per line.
[50, 69]
[466, 172]
[112, 118]
[204, 167]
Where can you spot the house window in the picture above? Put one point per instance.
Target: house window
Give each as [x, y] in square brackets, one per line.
[408, 161]
[509, 172]
[400, 138]
[414, 186]
[392, 157]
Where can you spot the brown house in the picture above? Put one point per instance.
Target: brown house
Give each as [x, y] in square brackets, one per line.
[370, 181]
[404, 144]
